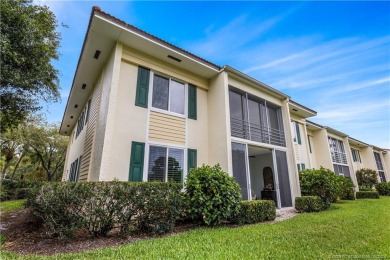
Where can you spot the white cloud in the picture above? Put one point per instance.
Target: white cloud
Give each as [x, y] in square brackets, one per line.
[223, 42]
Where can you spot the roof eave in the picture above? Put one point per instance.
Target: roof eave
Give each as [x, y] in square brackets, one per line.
[254, 81]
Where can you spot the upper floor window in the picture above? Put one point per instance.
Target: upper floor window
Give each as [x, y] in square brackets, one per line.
[356, 155]
[168, 94]
[378, 161]
[337, 151]
[309, 142]
[83, 119]
[296, 132]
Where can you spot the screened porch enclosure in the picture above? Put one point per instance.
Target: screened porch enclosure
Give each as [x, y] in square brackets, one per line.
[262, 173]
[255, 119]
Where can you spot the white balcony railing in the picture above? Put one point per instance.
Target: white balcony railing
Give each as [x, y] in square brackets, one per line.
[257, 133]
[338, 157]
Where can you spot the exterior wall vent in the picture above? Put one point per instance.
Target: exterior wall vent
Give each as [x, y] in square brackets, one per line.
[97, 54]
[174, 58]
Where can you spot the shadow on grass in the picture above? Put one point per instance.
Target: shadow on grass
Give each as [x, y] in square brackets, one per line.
[343, 201]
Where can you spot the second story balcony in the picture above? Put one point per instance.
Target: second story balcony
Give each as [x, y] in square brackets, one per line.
[339, 157]
[257, 133]
[255, 119]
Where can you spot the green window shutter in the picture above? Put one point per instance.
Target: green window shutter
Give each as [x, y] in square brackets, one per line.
[298, 133]
[192, 159]
[299, 166]
[192, 109]
[136, 161]
[141, 97]
[303, 166]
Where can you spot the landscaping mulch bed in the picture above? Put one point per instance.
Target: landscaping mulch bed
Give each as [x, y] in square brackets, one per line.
[23, 236]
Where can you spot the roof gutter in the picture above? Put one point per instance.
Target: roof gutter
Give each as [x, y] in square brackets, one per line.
[314, 124]
[303, 107]
[94, 9]
[254, 81]
[335, 131]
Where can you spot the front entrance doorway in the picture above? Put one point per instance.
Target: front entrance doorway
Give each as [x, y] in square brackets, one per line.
[262, 173]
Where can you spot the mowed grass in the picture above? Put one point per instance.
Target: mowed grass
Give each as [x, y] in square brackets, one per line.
[349, 229]
[11, 205]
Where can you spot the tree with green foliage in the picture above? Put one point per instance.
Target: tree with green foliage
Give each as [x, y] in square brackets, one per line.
[12, 149]
[48, 146]
[31, 149]
[366, 178]
[29, 43]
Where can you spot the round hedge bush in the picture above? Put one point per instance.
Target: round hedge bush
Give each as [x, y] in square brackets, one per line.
[322, 182]
[366, 178]
[347, 188]
[383, 188]
[212, 195]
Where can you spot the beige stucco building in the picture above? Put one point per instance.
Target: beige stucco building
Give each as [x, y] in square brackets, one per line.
[141, 109]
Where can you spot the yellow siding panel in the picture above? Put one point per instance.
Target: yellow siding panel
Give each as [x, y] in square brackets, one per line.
[88, 143]
[167, 128]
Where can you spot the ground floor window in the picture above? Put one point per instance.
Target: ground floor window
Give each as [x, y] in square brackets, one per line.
[165, 164]
[75, 170]
[342, 170]
[301, 166]
[382, 176]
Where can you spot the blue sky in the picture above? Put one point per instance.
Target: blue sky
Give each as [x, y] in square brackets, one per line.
[333, 57]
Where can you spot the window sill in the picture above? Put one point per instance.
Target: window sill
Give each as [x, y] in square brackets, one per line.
[162, 111]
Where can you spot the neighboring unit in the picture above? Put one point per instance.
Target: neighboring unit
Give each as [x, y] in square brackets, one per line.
[141, 109]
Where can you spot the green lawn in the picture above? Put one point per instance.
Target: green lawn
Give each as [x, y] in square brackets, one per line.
[11, 205]
[349, 229]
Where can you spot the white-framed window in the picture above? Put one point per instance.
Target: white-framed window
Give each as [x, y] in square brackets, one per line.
[356, 155]
[337, 151]
[341, 170]
[165, 164]
[309, 142]
[379, 165]
[339, 157]
[83, 119]
[75, 170]
[296, 132]
[168, 94]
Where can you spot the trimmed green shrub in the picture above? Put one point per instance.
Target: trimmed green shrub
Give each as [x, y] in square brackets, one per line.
[367, 195]
[17, 189]
[366, 178]
[255, 211]
[347, 188]
[383, 188]
[97, 207]
[159, 208]
[320, 182]
[212, 195]
[308, 204]
[59, 207]
[364, 189]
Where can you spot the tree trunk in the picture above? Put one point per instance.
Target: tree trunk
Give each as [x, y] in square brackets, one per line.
[6, 165]
[49, 176]
[8, 159]
[17, 165]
